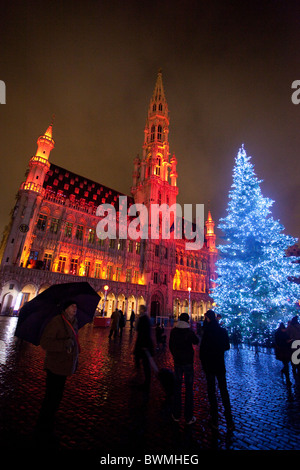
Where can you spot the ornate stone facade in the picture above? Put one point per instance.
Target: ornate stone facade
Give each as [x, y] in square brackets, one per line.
[52, 234]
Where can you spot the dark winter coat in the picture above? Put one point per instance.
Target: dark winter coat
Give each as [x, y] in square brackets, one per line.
[61, 347]
[181, 343]
[282, 345]
[144, 339]
[293, 330]
[214, 343]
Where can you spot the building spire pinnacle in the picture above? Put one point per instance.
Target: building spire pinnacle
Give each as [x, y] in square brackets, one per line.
[48, 132]
[159, 93]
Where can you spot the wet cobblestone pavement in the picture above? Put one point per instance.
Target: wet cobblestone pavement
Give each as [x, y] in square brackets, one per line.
[103, 411]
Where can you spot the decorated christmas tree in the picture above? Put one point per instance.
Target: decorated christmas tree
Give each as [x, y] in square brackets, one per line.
[254, 288]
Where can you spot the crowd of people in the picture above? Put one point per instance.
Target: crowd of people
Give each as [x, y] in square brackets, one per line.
[62, 348]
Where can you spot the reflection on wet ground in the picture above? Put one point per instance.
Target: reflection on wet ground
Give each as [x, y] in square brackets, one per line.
[105, 410]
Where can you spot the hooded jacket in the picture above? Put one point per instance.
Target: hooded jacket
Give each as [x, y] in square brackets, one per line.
[181, 343]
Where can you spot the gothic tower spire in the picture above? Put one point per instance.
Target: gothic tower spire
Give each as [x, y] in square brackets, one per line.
[154, 175]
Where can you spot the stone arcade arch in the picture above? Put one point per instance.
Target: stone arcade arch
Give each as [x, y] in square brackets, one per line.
[157, 304]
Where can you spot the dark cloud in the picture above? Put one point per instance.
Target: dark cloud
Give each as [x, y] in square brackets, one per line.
[227, 70]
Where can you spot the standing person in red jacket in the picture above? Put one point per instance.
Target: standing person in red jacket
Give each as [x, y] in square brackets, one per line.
[182, 339]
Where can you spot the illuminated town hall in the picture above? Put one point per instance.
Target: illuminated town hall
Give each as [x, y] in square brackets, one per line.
[52, 237]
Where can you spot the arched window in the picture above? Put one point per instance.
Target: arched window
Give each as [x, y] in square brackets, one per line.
[159, 133]
[160, 107]
[154, 107]
[152, 134]
[157, 169]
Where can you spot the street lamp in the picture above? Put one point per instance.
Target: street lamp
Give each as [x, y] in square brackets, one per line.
[105, 295]
[189, 289]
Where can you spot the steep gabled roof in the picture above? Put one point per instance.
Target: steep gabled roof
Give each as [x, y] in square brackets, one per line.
[68, 185]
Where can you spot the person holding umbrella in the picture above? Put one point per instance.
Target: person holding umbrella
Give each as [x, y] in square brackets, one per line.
[60, 341]
[52, 320]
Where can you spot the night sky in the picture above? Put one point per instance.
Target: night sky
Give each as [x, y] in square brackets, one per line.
[227, 70]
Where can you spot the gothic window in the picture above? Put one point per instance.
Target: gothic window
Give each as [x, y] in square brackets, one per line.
[87, 266]
[74, 266]
[121, 244]
[97, 273]
[152, 134]
[91, 235]
[54, 225]
[157, 169]
[154, 107]
[130, 246]
[101, 241]
[155, 278]
[34, 255]
[160, 107]
[79, 232]
[61, 264]
[109, 272]
[68, 229]
[128, 275]
[47, 261]
[159, 133]
[118, 273]
[41, 223]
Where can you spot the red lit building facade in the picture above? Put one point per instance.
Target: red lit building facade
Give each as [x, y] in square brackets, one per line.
[51, 237]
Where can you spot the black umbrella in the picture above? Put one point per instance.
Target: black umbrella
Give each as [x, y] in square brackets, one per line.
[34, 315]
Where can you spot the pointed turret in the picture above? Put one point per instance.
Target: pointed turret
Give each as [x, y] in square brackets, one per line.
[39, 164]
[45, 143]
[210, 233]
[29, 201]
